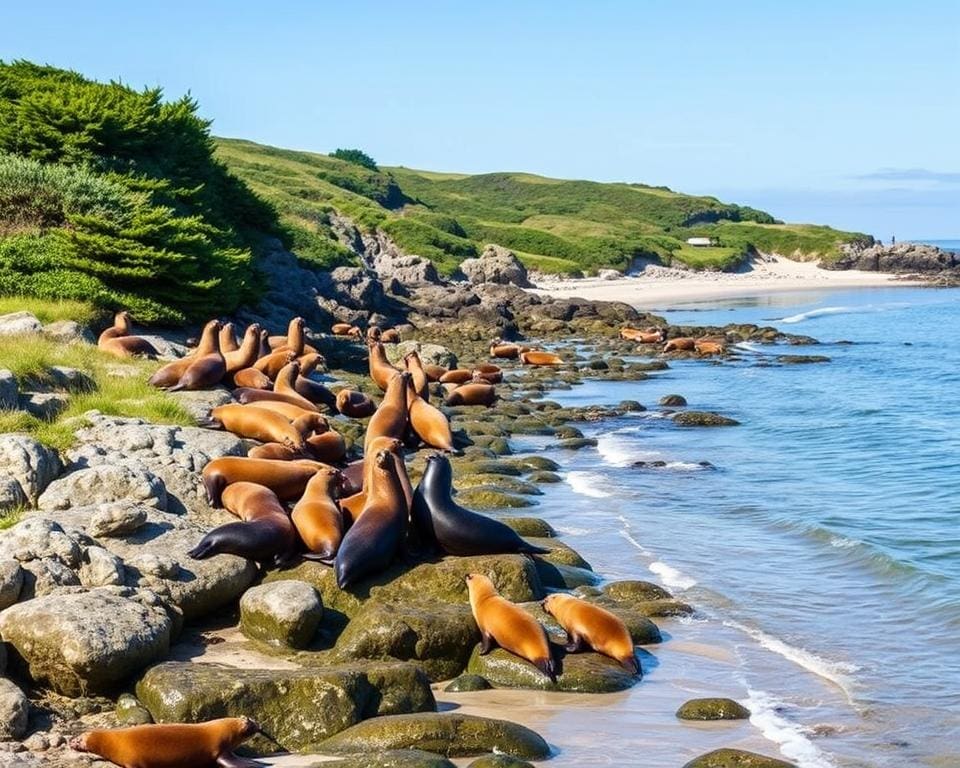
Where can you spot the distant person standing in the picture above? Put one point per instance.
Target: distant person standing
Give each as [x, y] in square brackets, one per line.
[893, 239]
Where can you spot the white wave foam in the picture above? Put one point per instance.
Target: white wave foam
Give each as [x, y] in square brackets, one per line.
[684, 466]
[842, 542]
[749, 346]
[671, 577]
[837, 672]
[569, 530]
[625, 532]
[813, 313]
[790, 737]
[618, 450]
[587, 484]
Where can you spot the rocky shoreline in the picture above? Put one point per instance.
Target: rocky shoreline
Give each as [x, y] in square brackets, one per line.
[101, 605]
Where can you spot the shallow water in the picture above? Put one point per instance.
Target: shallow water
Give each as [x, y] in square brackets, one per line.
[824, 546]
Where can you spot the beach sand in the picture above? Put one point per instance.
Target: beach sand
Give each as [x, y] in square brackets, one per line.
[657, 287]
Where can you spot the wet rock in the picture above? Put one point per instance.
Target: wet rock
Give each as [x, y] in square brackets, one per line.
[14, 711]
[576, 443]
[530, 526]
[466, 682]
[299, 708]
[713, 709]
[284, 613]
[9, 391]
[68, 332]
[499, 761]
[633, 590]
[587, 672]
[802, 359]
[104, 484]
[736, 758]
[673, 401]
[116, 519]
[28, 462]
[19, 323]
[560, 553]
[391, 758]
[703, 419]
[76, 643]
[525, 464]
[489, 497]
[544, 477]
[11, 582]
[130, 711]
[560, 576]
[452, 735]
[503, 483]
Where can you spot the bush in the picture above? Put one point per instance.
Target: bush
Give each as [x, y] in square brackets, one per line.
[355, 156]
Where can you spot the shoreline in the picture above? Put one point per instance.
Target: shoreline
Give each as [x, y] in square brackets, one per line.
[656, 286]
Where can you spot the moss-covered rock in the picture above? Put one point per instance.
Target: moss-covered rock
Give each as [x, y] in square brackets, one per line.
[499, 761]
[298, 707]
[466, 466]
[465, 683]
[500, 482]
[567, 433]
[529, 526]
[587, 672]
[283, 613]
[635, 590]
[713, 709]
[703, 419]
[491, 497]
[533, 463]
[392, 758]
[544, 477]
[560, 553]
[451, 735]
[560, 576]
[736, 758]
[576, 443]
[130, 711]
[673, 401]
[802, 359]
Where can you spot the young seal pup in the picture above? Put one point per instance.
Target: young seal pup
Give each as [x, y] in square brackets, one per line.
[596, 627]
[509, 626]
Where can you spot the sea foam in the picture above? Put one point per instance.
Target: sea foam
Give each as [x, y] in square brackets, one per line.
[793, 742]
[587, 484]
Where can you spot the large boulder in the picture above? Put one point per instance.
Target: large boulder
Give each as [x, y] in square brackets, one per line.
[17, 323]
[496, 265]
[85, 642]
[452, 735]
[14, 711]
[901, 257]
[102, 484]
[298, 708]
[430, 354]
[29, 463]
[581, 672]
[284, 613]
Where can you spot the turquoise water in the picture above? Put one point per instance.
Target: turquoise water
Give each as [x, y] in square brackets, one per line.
[828, 531]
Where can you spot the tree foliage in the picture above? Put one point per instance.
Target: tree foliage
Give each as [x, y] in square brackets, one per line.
[355, 156]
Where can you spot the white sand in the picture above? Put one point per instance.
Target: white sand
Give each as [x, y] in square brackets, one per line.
[657, 287]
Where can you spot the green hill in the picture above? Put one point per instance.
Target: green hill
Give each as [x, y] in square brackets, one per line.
[554, 225]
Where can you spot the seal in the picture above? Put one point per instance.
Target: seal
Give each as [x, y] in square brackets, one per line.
[317, 517]
[457, 376]
[315, 392]
[681, 344]
[228, 339]
[390, 336]
[474, 393]
[540, 358]
[443, 525]
[490, 373]
[251, 378]
[434, 372]
[286, 385]
[273, 363]
[172, 745]
[353, 497]
[288, 410]
[509, 626]
[412, 362]
[380, 369]
[390, 419]
[245, 355]
[595, 627]
[276, 452]
[248, 395]
[328, 447]
[293, 341]
[204, 371]
[501, 349]
[428, 422]
[266, 534]
[170, 374]
[117, 341]
[286, 479]
[264, 350]
[354, 404]
[705, 347]
[267, 426]
[374, 540]
[341, 329]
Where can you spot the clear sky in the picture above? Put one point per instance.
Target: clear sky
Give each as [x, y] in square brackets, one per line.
[844, 112]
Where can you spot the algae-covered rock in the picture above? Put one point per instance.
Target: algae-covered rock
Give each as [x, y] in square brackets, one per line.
[284, 613]
[560, 553]
[130, 711]
[587, 672]
[467, 683]
[452, 735]
[533, 463]
[437, 636]
[703, 419]
[504, 483]
[391, 758]
[298, 708]
[673, 401]
[544, 476]
[736, 758]
[634, 590]
[491, 497]
[802, 359]
[560, 576]
[499, 761]
[529, 526]
[576, 443]
[713, 709]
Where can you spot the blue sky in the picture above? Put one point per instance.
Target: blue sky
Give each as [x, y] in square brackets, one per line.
[844, 113]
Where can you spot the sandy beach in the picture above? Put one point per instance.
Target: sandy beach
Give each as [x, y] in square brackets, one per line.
[657, 287]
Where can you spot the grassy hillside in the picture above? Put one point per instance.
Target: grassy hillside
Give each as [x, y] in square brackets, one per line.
[552, 224]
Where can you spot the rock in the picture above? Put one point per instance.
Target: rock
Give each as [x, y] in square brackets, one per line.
[68, 332]
[703, 419]
[103, 484]
[69, 379]
[530, 526]
[35, 538]
[130, 711]
[451, 735]
[587, 672]
[116, 519]
[391, 758]
[467, 682]
[284, 613]
[496, 265]
[101, 568]
[488, 497]
[408, 270]
[45, 576]
[736, 758]
[11, 582]
[199, 403]
[560, 576]
[43, 405]
[713, 709]
[155, 565]
[629, 591]
[802, 359]
[17, 323]
[14, 710]
[544, 477]
[902, 257]
[560, 553]
[673, 401]
[87, 642]
[437, 636]
[299, 708]
[9, 391]
[430, 354]
[576, 443]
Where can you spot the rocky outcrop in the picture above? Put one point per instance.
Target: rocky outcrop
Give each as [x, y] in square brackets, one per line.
[902, 257]
[496, 265]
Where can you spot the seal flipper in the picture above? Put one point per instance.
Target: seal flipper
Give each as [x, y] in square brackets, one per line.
[230, 760]
[632, 665]
[548, 667]
[486, 644]
[531, 549]
[574, 644]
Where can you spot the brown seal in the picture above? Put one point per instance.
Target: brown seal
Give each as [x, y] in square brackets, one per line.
[354, 498]
[264, 350]
[170, 374]
[207, 370]
[317, 517]
[249, 395]
[273, 363]
[117, 340]
[287, 410]
[681, 344]
[412, 362]
[704, 347]
[381, 371]
[341, 329]
[434, 372]
[245, 355]
[474, 393]
[287, 479]
[276, 452]
[173, 745]
[501, 349]
[375, 538]
[228, 339]
[286, 384]
[457, 376]
[650, 336]
[293, 341]
[251, 378]
[355, 404]
[428, 422]
[540, 358]
[267, 426]
[509, 626]
[390, 419]
[390, 336]
[328, 447]
[596, 627]
[490, 373]
[266, 534]
[315, 392]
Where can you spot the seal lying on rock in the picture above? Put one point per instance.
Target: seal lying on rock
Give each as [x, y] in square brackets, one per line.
[596, 627]
[443, 524]
[172, 746]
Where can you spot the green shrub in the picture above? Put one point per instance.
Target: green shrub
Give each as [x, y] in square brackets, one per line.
[355, 156]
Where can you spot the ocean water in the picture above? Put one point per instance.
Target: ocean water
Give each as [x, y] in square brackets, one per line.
[822, 545]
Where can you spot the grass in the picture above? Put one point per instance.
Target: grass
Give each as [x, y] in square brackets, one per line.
[50, 311]
[710, 258]
[119, 388]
